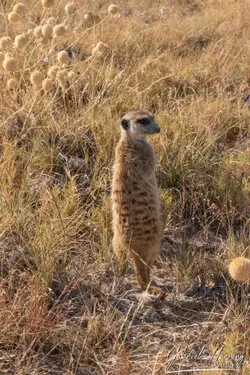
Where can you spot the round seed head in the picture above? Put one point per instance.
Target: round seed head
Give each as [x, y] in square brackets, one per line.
[94, 51]
[72, 76]
[100, 49]
[51, 21]
[239, 269]
[12, 84]
[48, 3]
[63, 57]
[1, 57]
[30, 33]
[62, 77]
[38, 32]
[5, 42]
[70, 9]
[9, 64]
[88, 17]
[36, 78]
[44, 40]
[20, 9]
[59, 30]
[20, 41]
[13, 17]
[48, 84]
[47, 31]
[113, 9]
[52, 72]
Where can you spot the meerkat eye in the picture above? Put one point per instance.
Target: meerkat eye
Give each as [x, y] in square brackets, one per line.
[143, 121]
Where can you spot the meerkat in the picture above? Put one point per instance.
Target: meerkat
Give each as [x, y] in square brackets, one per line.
[135, 198]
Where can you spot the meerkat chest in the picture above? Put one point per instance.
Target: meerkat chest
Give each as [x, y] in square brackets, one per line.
[136, 204]
[136, 161]
[134, 168]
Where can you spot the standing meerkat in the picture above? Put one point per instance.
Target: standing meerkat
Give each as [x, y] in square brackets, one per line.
[135, 197]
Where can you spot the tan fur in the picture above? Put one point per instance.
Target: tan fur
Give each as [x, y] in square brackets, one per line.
[135, 200]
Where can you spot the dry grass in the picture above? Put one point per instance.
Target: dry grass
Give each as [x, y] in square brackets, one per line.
[63, 309]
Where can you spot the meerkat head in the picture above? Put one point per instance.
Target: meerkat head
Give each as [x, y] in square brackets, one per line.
[139, 124]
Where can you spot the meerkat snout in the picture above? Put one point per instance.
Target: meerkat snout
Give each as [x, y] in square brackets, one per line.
[140, 125]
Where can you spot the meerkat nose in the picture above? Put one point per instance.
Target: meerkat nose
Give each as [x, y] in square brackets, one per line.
[158, 129]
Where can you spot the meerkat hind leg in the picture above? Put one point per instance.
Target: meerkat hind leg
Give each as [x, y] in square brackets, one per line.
[122, 255]
[142, 270]
[154, 289]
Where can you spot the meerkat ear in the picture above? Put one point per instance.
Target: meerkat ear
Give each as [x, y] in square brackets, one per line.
[125, 123]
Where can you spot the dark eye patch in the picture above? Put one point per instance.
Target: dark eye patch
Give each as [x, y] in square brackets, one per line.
[124, 123]
[143, 121]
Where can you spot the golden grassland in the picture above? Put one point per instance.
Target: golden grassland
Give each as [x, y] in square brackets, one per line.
[63, 308]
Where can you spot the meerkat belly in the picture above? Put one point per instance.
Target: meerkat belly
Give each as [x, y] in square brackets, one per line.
[136, 211]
